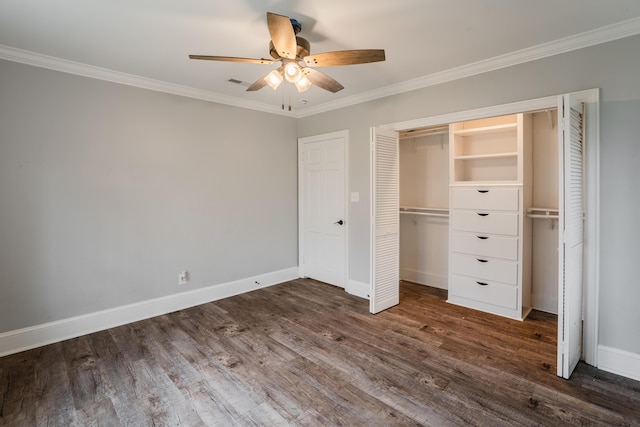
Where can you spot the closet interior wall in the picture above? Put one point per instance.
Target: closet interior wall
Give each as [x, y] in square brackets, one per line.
[424, 189]
[544, 239]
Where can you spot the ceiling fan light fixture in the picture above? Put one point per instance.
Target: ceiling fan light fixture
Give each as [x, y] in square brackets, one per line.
[292, 72]
[274, 79]
[303, 84]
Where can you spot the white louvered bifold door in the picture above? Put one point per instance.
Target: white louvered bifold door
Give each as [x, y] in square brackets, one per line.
[571, 233]
[385, 220]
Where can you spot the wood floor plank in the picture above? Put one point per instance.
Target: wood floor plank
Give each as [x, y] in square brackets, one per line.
[54, 404]
[16, 394]
[85, 380]
[304, 353]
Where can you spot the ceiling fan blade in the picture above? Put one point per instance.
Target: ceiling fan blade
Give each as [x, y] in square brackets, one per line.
[345, 57]
[258, 84]
[232, 59]
[322, 80]
[282, 35]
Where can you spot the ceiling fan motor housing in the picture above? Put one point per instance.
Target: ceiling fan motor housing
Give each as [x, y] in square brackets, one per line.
[303, 48]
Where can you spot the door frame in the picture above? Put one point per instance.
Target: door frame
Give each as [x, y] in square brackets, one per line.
[301, 194]
[591, 257]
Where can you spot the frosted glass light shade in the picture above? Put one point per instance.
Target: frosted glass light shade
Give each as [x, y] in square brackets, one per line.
[292, 72]
[274, 79]
[303, 84]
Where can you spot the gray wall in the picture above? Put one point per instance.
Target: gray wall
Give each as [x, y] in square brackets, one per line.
[615, 69]
[108, 191]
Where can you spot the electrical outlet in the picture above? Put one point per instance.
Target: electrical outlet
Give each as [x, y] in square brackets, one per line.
[182, 278]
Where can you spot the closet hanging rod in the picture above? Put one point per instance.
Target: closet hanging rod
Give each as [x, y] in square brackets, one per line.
[413, 210]
[421, 209]
[546, 210]
[538, 216]
[542, 213]
[442, 215]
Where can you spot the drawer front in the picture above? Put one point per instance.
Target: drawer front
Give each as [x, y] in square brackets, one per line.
[488, 292]
[485, 268]
[499, 199]
[490, 246]
[485, 222]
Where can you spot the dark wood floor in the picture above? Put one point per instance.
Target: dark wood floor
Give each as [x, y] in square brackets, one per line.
[306, 353]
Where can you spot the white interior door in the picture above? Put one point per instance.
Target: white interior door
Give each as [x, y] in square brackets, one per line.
[570, 251]
[385, 220]
[323, 228]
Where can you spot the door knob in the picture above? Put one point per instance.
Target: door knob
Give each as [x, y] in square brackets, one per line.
[339, 222]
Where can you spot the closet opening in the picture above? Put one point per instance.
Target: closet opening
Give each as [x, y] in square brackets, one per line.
[426, 164]
[424, 205]
[498, 207]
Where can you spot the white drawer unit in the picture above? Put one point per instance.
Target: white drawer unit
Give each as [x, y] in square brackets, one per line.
[485, 221]
[485, 268]
[467, 290]
[501, 199]
[490, 188]
[485, 245]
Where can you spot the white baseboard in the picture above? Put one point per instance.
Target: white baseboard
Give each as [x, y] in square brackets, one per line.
[425, 278]
[619, 362]
[358, 289]
[48, 333]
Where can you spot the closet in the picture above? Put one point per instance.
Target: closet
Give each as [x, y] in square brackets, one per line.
[478, 212]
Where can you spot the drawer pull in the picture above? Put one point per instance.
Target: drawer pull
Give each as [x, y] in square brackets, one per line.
[482, 283]
[482, 237]
[482, 260]
[482, 214]
[483, 191]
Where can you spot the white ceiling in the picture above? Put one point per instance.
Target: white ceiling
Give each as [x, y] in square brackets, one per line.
[146, 42]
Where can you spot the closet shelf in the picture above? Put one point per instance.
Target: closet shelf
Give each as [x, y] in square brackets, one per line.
[509, 127]
[542, 213]
[417, 133]
[507, 155]
[414, 210]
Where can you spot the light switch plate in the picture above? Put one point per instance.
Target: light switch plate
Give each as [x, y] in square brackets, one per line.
[355, 196]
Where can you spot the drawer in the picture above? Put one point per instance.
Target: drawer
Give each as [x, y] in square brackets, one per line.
[484, 291]
[498, 199]
[485, 222]
[489, 246]
[485, 268]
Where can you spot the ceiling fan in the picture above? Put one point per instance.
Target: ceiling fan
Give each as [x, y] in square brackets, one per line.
[291, 51]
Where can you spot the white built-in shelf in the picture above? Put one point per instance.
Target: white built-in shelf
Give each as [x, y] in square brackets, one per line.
[508, 127]
[423, 211]
[476, 184]
[487, 150]
[509, 155]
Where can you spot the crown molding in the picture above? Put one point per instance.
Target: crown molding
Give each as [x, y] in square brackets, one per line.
[609, 33]
[71, 67]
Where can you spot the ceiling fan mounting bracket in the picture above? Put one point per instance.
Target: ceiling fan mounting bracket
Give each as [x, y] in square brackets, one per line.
[297, 27]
